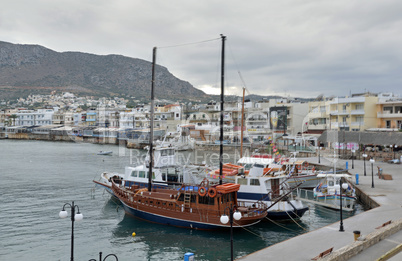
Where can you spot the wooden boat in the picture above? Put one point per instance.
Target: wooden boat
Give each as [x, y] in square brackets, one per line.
[195, 207]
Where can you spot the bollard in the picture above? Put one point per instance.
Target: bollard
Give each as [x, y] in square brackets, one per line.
[347, 165]
[357, 178]
[189, 257]
[356, 234]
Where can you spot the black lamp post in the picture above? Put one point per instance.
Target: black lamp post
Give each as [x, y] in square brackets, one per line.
[225, 219]
[372, 173]
[353, 155]
[364, 160]
[74, 217]
[394, 150]
[100, 257]
[341, 186]
[319, 158]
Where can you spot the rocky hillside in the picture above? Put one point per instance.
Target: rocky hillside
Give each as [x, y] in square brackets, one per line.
[32, 69]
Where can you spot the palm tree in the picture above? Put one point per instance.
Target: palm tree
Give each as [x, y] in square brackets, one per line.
[13, 117]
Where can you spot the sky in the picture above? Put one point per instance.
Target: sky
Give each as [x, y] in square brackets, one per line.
[296, 48]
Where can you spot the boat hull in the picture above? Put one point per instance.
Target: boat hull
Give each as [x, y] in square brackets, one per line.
[286, 215]
[176, 222]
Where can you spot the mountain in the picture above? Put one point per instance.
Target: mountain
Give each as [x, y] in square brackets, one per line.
[34, 69]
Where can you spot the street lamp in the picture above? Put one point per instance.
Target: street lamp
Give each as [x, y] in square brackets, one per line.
[353, 155]
[319, 157]
[364, 160]
[225, 219]
[372, 173]
[74, 217]
[342, 186]
[100, 257]
[395, 149]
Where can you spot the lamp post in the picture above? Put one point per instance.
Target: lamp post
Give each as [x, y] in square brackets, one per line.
[395, 149]
[319, 157]
[353, 155]
[372, 173]
[100, 257]
[74, 217]
[225, 219]
[364, 160]
[342, 186]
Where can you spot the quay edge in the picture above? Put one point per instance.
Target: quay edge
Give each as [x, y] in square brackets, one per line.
[375, 241]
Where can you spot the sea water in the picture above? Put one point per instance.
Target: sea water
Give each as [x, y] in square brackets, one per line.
[38, 178]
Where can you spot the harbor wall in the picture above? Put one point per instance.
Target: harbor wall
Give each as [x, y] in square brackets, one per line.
[363, 243]
[365, 200]
[53, 137]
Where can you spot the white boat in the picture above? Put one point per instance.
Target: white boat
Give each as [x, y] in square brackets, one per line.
[165, 172]
[178, 141]
[261, 184]
[105, 152]
[299, 171]
[328, 192]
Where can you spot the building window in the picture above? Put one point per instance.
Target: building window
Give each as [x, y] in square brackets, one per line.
[388, 124]
[388, 109]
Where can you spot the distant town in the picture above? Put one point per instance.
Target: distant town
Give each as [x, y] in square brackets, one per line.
[107, 120]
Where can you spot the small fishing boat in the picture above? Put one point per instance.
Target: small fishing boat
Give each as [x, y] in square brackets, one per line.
[300, 171]
[329, 194]
[105, 152]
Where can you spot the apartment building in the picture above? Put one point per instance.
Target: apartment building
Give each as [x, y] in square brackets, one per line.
[389, 112]
[356, 113]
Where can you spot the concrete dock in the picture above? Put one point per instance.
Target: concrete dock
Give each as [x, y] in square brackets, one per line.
[377, 242]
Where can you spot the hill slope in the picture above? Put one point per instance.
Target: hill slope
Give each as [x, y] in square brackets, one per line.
[26, 69]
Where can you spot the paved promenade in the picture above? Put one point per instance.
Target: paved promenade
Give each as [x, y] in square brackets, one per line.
[375, 243]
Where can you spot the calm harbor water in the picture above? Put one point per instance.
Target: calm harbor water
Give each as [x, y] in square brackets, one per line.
[39, 177]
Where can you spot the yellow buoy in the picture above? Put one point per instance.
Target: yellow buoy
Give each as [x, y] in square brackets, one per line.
[133, 234]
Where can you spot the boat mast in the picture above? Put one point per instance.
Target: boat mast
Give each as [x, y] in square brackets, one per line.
[242, 125]
[222, 100]
[151, 135]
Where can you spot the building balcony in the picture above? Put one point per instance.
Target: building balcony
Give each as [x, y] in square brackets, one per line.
[334, 113]
[357, 123]
[386, 114]
[357, 112]
[342, 113]
[317, 115]
[317, 126]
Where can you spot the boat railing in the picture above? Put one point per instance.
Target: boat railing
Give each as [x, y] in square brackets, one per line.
[256, 209]
[327, 200]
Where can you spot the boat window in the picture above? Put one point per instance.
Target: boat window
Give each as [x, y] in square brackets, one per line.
[134, 173]
[330, 183]
[248, 166]
[206, 200]
[141, 174]
[258, 165]
[227, 198]
[242, 181]
[168, 152]
[254, 182]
